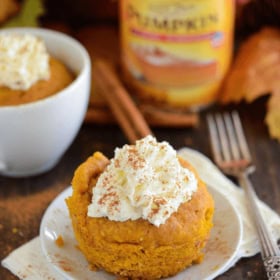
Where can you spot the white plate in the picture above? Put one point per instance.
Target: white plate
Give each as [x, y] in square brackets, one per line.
[69, 262]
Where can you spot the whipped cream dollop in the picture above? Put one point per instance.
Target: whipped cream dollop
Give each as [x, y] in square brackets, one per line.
[145, 180]
[24, 60]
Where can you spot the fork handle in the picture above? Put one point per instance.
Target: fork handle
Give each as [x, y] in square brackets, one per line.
[269, 249]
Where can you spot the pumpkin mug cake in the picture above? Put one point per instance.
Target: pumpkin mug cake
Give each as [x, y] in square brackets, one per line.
[144, 214]
[27, 72]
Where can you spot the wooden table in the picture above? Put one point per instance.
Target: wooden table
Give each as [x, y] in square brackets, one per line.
[23, 201]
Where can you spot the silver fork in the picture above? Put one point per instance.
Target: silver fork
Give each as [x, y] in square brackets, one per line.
[231, 154]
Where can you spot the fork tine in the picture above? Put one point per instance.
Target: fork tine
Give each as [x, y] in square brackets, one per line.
[214, 139]
[241, 136]
[232, 137]
[223, 137]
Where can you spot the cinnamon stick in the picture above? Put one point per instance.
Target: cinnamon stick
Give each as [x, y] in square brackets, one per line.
[159, 117]
[154, 117]
[124, 109]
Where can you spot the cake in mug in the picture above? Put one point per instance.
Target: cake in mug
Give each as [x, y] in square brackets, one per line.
[145, 214]
[27, 72]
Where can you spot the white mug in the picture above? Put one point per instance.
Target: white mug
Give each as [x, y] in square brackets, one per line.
[34, 136]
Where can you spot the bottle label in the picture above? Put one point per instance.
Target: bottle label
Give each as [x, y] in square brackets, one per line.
[177, 50]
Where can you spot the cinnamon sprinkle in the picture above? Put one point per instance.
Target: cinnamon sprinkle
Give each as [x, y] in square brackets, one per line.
[134, 159]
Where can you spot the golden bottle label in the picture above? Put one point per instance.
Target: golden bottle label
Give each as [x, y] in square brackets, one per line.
[177, 51]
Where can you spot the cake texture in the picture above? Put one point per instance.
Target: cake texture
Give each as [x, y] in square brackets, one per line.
[138, 249]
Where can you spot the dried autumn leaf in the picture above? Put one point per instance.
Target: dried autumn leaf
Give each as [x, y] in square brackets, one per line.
[256, 72]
